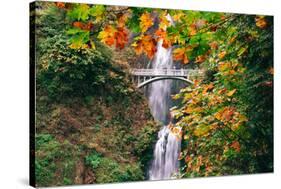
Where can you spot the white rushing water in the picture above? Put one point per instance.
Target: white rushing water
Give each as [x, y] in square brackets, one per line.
[166, 151]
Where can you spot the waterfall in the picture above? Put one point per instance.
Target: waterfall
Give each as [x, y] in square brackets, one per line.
[167, 148]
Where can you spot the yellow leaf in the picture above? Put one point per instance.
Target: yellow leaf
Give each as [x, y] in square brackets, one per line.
[145, 22]
[93, 46]
[176, 38]
[230, 93]
[164, 22]
[201, 130]
[223, 66]
[177, 17]
[221, 55]
[218, 115]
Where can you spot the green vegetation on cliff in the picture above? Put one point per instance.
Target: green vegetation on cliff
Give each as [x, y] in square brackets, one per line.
[92, 125]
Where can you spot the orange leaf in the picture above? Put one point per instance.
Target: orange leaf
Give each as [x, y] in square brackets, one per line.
[261, 22]
[208, 88]
[107, 35]
[180, 54]
[110, 36]
[121, 37]
[60, 4]
[200, 59]
[236, 146]
[232, 39]
[221, 55]
[187, 159]
[227, 113]
[161, 34]
[83, 26]
[146, 44]
[78, 24]
[145, 22]
[122, 19]
[213, 45]
[222, 91]
[192, 29]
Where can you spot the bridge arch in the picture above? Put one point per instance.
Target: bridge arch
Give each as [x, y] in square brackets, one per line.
[163, 78]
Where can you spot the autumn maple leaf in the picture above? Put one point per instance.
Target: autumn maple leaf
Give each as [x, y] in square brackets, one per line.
[222, 54]
[164, 22]
[207, 88]
[111, 35]
[146, 44]
[107, 35]
[121, 37]
[213, 45]
[180, 54]
[60, 4]
[236, 146]
[162, 34]
[192, 29]
[83, 26]
[146, 22]
[200, 59]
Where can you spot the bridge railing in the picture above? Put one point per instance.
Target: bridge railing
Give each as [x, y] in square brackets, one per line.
[165, 72]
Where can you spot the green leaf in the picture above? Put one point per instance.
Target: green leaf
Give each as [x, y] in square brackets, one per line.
[79, 12]
[133, 25]
[79, 39]
[241, 51]
[97, 11]
[74, 31]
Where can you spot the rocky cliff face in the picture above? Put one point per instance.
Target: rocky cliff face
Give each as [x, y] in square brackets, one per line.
[77, 139]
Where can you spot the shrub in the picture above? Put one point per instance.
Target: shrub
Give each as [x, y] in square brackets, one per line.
[65, 72]
[109, 170]
[54, 157]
